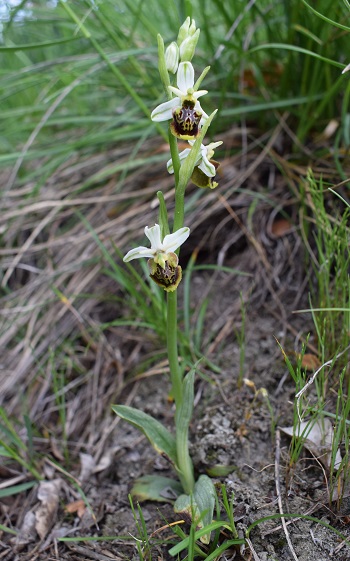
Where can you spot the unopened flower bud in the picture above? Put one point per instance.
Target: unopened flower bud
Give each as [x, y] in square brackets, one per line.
[184, 31]
[192, 28]
[187, 29]
[172, 57]
[188, 46]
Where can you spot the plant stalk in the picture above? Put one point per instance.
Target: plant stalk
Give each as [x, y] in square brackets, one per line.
[175, 373]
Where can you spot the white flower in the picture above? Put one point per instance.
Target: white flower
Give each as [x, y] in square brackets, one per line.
[203, 162]
[159, 250]
[184, 92]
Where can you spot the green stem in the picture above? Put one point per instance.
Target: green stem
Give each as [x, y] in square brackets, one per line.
[179, 213]
[182, 394]
[184, 461]
[173, 357]
[174, 151]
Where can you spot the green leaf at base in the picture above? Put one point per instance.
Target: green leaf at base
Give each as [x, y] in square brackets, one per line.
[161, 439]
[156, 488]
[199, 506]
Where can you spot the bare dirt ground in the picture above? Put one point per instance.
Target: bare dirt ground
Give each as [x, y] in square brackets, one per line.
[54, 331]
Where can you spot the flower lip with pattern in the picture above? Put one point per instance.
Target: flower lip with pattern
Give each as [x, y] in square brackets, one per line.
[184, 93]
[159, 250]
[204, 158]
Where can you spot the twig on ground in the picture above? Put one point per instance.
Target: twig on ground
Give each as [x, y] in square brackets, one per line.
[255, 555]
[278, 491]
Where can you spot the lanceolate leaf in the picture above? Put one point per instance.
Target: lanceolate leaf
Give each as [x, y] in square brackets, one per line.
[161, 439]
[156, 488]
[182, 420]
[199, 505]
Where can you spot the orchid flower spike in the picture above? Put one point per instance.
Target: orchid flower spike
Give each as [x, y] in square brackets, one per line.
[184, 109]
[159, 250]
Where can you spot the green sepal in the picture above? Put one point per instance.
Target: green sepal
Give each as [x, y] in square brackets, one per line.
[156, 488]
[163, 215]
[200, 505]
[187, 167]
[161, 439]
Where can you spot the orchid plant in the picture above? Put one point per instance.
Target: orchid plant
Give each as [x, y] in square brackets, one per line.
[188, 121]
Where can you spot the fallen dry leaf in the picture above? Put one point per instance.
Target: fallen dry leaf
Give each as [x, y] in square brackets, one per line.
[27, 532]
[318, 438]
[87, 466]
[106, 460]
[310, 362]
[280, 227]
[76, 507]
[45, 515]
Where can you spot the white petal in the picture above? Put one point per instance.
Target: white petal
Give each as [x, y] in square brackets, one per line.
[172, 241]
[169, 166]
[153, 234]
[138, 253]
[164, 111]
[183, 155]
[214, 145]
[185, 76]
[207, 167]
[199, 93]
[209, 150]
[176, 91]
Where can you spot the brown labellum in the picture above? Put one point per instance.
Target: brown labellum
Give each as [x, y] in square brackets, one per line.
[168, 277]
[185, 123]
